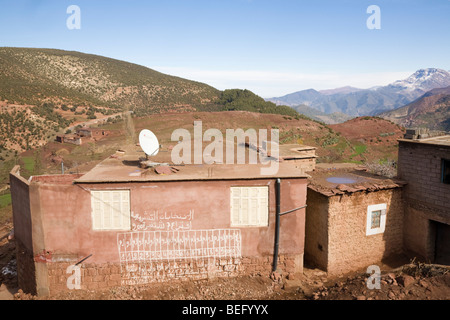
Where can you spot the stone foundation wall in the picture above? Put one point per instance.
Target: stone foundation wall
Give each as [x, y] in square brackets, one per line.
[104, 276]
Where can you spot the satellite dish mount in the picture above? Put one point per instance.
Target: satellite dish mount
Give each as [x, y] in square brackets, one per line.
[150, 145]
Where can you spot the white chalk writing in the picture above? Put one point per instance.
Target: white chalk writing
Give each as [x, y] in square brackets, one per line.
[163, 221]
[162, 245]
[147, 255]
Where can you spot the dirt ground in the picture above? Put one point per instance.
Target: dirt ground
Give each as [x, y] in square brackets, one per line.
[413, 281]
[8, 276]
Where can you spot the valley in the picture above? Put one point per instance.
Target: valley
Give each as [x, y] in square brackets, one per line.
[397, 101]
[432, 111]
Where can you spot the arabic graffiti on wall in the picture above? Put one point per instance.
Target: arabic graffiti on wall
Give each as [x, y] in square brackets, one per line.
[167, 245]
[163, 245]
[162, 221]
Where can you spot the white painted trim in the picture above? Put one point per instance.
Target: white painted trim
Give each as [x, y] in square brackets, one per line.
[376, 207]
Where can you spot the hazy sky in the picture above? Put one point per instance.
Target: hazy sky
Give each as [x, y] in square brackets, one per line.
[270, 47]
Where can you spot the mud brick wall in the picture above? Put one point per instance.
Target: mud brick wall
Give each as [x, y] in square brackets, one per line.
[336, 238]
[349, 247]
[316, 230]
[93, 277]
[136, 273]
[104, 276]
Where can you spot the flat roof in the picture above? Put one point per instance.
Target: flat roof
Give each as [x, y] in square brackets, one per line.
[331, 181]
[296, 151]
[55, 179]
[438, 141]
[126, 168]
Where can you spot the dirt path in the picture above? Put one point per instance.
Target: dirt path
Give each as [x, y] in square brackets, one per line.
[95, 121]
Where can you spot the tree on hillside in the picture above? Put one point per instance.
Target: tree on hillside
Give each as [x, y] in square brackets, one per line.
[245, 100]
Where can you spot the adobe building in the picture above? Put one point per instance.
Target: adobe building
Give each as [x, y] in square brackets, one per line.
[424, 162]
[353, 220]
[95, 133]
[126, 225]
[69, 138]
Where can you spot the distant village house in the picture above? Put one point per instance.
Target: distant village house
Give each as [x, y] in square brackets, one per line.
[83, 132]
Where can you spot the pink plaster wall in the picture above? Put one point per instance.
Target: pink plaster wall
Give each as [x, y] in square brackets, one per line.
[67, 225]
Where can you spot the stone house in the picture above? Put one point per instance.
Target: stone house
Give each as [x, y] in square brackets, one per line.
[94, 133]
[70, 138]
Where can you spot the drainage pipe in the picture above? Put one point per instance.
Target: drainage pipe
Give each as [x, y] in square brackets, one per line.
[277, 224]
[278, 214]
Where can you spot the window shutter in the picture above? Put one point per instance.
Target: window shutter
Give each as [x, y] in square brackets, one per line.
[111, 210]
[249, 206]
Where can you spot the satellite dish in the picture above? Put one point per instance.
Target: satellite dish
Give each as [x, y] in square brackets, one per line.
[149, 142]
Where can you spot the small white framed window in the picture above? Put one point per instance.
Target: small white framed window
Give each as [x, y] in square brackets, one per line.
[111, 210]
[249, 206]
[376, 219]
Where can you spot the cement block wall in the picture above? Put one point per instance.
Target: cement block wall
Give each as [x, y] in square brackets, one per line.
[419, 235]
[420, 165]
[426, 197]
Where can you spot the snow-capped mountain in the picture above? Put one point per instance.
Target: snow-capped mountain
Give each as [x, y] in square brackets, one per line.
[371, 101]
[425, 79]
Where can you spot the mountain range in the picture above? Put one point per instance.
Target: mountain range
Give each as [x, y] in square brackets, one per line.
[431, 110]
[369, 102]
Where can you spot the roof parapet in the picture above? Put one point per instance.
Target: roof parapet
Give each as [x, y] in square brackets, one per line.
[423, 133]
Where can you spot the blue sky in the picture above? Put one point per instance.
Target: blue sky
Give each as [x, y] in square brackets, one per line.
[270, 47]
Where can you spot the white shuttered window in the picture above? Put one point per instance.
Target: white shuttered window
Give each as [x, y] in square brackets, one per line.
[250, 206]
[111, 210]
